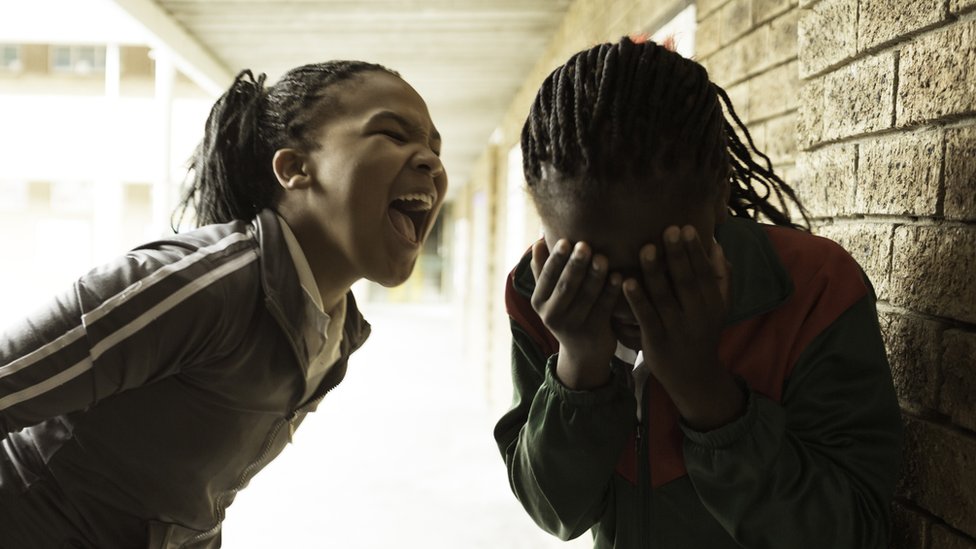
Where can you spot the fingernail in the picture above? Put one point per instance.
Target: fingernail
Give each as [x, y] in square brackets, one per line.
[649, 253]
[688, 233]
[562, 247]
[672, 234]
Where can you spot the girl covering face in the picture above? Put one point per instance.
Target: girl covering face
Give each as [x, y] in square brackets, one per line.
[684, 375]
[136, 405]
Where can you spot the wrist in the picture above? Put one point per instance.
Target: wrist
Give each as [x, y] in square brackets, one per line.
[711, 402]
[581, 373]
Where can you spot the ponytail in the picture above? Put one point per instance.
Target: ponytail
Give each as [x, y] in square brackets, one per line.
[229, 173]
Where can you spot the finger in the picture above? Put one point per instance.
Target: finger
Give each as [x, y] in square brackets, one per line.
[658, 288]
[686, 284]
[703, 270]
[565, 292]
[589, 290]
[550, 273]
[647, 315]
[608, 297]
[540, 253]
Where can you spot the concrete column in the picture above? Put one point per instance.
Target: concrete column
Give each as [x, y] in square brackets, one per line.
[113, 71]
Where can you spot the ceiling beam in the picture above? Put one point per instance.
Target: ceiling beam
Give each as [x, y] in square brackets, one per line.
[189, 55]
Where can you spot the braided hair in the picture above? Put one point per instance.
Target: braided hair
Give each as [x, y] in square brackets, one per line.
[618, 117]
[231, 175]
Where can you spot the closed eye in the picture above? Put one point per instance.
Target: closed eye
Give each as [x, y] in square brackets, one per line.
[395, 135]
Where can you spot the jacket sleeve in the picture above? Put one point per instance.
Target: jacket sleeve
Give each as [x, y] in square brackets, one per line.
[134, 320]
[819, 469]
[560, 446]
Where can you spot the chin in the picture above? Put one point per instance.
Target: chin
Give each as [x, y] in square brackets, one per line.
[394, 275]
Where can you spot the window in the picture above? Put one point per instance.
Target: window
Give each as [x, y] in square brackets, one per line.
[78, 59]
[10, 58]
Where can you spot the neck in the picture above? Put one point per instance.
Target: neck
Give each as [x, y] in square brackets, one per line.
[333, 273]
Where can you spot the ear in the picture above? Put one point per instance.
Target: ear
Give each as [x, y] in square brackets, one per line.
[290, 169]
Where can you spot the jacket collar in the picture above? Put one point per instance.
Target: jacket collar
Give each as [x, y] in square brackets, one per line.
[760, 283]
[284, 293]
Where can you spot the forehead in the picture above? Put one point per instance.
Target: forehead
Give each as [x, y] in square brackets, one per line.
[368, 93]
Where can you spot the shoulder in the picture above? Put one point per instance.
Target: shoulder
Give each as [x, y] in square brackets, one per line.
[815, 261]
[199, 262]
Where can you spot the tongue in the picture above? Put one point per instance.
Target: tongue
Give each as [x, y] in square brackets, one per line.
[403, 224]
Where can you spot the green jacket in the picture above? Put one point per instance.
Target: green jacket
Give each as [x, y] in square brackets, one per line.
[811, 463]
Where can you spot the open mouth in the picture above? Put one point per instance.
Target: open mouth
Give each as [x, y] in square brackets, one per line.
[409, 214]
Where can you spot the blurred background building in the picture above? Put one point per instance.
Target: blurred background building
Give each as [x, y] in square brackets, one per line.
[867, 107]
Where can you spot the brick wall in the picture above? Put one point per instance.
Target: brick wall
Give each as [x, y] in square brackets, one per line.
[869, 109]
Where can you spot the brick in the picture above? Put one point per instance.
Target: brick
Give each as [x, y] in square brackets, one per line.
[908, 529]
[944, 538]
[959, 378]
[870, 245]
[755, 54]
[825, 180]
[939, 472]
[900, 175]
[932, 270]
[780, 137]
[733, 63]
[736, 19]
[960, 173]
[914, 350]
[708, 36]
[706, 7]
[879, 21]
[809, 124]
[774, 92]
[827, 35]
[764, 10]
[860, 97]
[937, 75]
[959, 6]
[782, 38]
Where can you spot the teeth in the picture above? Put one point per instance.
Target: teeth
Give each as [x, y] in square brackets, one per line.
[426, 199]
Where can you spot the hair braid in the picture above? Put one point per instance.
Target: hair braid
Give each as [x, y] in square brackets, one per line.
[626, 115]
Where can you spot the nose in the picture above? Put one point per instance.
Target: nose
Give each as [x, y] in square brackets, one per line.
[425, 160]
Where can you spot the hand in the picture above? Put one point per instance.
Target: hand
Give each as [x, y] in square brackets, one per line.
[574, 297]
[681, 323]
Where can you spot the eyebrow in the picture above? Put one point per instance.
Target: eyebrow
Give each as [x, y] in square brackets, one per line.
[403, 121]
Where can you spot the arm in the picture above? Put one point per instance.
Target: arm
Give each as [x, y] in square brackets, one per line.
[820, 469]
[127, 323]
[561, 446]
